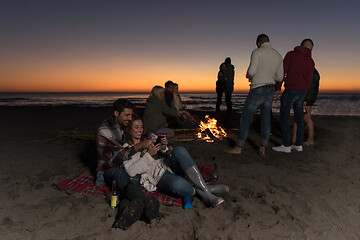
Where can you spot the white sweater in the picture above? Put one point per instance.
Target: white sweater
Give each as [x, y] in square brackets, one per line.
[150, 169]
[266, 66]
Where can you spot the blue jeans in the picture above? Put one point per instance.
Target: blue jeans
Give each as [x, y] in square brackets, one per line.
[120, 176]
[262, 97]
[292, 99]
[174, 183]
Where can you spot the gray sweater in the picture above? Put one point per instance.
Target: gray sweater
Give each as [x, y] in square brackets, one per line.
[154, 114]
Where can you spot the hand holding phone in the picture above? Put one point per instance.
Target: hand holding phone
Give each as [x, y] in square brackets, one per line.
[158, 140]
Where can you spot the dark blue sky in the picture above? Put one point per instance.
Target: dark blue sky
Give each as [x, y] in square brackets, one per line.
[103, 42]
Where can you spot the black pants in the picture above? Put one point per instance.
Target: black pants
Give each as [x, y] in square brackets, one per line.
[228, 94]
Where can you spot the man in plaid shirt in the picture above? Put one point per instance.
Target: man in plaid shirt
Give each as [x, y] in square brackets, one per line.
[110, 139]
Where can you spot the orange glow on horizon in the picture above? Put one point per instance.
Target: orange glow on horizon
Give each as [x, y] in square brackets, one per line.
[131, 79]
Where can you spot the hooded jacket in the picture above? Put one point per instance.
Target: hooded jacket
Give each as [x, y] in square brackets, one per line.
[229, 74]
[298, 69]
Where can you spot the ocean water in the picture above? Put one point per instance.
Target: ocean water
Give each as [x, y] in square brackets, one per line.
[327, 104]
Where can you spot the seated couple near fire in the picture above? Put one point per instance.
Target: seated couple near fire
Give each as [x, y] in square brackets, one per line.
[114, 149]
[157, 110]
[163, 168]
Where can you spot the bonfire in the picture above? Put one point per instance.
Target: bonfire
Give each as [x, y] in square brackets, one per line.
[209, 130]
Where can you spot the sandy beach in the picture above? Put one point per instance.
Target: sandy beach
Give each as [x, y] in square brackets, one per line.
[314, 194]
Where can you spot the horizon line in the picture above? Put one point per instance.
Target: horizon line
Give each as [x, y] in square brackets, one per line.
[204, 91]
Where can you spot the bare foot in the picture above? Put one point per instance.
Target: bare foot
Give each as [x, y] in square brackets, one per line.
[308, 143]
[262, 150]
[235, 150]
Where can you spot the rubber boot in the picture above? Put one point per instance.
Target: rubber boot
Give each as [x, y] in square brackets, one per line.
[218, 189]
[206, 196]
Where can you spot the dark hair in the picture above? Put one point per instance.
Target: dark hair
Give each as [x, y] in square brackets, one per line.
[168, 83]
[306, 42]
[122, 103]
[228, 60]
[220, 68]
[262, 38]
[129, 126]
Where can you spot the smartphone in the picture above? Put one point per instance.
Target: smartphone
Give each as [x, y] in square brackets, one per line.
[158, 140]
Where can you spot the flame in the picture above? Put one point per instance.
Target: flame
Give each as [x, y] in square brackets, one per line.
[211, 124]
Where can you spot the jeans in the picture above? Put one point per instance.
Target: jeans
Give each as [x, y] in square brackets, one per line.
[228, 92]
[174, 183]
[120, 176]
[292, 99]
[263, 97]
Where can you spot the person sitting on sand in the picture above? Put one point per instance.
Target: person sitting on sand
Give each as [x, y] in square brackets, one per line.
[110, 139]
[173, 100]
[166, 173]
[178, 122]
[155, 111]
[309, 101]
[177, 103]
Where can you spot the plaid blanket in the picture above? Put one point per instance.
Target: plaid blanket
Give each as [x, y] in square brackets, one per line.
[85, 185]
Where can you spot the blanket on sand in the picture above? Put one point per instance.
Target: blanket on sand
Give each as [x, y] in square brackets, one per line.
[85, 185]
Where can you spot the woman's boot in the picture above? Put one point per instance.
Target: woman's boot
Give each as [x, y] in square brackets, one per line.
[218, 188]
[202, 190]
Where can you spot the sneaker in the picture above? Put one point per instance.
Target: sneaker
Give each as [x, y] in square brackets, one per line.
[282, 148]
[129, 215]
[297, 148]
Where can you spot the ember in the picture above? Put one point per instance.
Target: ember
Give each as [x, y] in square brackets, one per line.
[209, 130]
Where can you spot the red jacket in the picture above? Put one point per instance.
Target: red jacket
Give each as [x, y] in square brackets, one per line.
[298, 69]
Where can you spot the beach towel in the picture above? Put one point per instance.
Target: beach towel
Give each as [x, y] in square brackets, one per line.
[85, 185]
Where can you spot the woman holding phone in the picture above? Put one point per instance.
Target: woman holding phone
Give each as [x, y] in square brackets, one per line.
[165, 172]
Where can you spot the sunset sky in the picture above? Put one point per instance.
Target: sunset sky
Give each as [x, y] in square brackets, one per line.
[69, 45]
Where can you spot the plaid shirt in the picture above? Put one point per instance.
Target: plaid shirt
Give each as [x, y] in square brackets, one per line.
[109, 144]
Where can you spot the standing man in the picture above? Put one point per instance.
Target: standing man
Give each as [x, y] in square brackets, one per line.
[266, 67]
[225, 84]
[298, 70]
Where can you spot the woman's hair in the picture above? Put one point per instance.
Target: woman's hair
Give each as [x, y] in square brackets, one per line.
[129, 126]
[220, 68]
[156, 91]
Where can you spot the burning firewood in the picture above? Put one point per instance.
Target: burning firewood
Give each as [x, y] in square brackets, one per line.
[210, 131]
